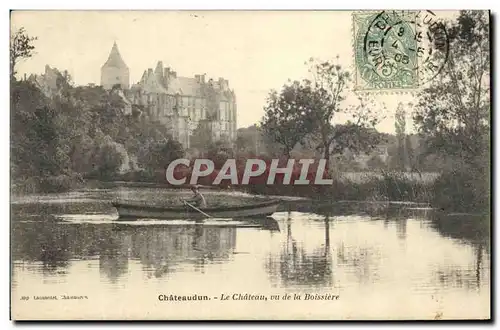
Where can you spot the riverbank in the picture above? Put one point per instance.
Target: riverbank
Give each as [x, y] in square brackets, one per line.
[97, 197]
[449, 192]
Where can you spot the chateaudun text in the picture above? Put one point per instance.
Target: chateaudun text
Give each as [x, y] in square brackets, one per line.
[248, 297]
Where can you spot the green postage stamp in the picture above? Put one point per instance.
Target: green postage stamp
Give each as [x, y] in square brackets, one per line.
[398, 50]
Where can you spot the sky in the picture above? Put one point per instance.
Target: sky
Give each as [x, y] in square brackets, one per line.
[256, 51]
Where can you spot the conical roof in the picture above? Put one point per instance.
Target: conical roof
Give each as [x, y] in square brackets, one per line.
[115, 59]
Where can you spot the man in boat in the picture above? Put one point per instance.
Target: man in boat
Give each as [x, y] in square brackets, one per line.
[197, 200]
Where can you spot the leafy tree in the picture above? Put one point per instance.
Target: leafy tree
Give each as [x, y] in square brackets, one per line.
[246, 140]
[330, 83]
[159, 154]
[202, 136]
[219, 152]
[375, 163]
[303, 112]
[110, 160]
[38, 134]
[253, 141]
[410, 153]
[400, 128]
[21, 47]
[286, 119]
[454, 111]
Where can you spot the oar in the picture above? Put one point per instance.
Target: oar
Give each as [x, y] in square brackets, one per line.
[197, 209]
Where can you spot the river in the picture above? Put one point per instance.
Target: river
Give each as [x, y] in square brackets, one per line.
[397, 266]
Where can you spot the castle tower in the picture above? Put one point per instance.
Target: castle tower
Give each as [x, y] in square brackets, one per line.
[114, 71]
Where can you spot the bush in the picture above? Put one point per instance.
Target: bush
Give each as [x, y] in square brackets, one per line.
[157, 155]
[397, 186]
[58, 183]
[462, 191]
[137, 176]
[25, 185]
[110, 160]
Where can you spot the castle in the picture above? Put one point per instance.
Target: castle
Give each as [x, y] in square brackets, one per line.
[182, 104]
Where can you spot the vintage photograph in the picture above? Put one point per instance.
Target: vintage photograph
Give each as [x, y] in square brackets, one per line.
[250, 165]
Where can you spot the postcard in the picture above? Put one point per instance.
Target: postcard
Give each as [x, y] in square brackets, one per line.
[250, 165]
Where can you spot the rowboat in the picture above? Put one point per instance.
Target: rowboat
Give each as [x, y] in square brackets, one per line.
[131, 211]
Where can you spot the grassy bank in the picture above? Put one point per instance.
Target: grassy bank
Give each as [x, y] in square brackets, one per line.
[48, 184]
[385, 186]
[454, 191]
[449, 192]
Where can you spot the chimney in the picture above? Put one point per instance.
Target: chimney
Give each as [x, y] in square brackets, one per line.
[223, 84]
[174, 74]
[200, 78]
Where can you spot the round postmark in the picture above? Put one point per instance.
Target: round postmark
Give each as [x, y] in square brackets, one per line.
[399, 49]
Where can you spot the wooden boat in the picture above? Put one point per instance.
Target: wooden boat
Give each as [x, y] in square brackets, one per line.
[130, 211]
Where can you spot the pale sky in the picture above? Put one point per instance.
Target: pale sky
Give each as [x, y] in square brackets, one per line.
[256, 51]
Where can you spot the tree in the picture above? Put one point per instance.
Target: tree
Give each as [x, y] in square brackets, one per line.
[219, 152]
[158, 154]
[21, 47]
[331, 82]
[286, 118]
[400, 128]
[303, 112]
[454, 111]
[202, 138]
[39, 136]
[253, 141]
[110, 160]
[410, 153]
[247, 139]
[375, 163]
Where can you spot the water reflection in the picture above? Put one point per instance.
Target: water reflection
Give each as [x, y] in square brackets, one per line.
[163, 251]
[160, 250]
[404, 254]
[470, 277]
[368, 250]
[296, 266]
